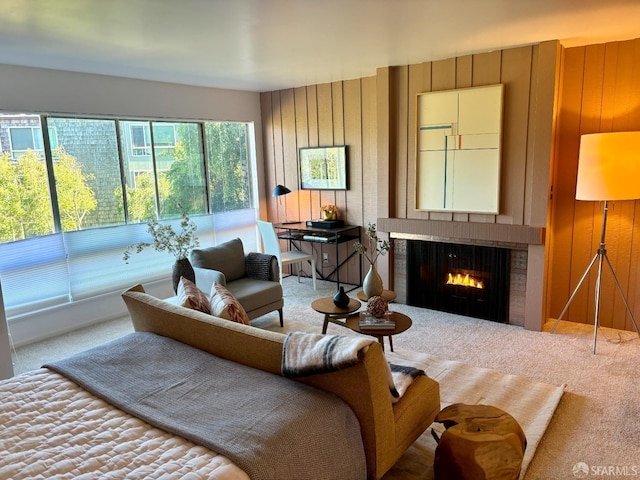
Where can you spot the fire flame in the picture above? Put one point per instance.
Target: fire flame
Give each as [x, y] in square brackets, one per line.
[465, 281]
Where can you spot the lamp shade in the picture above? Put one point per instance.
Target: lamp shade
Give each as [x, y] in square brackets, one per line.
[609, 166]
[280, 190]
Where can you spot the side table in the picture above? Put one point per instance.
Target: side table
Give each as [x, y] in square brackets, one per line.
[403, 322]
[332, 313]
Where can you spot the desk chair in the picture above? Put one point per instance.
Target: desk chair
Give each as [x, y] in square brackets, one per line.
[271, 245]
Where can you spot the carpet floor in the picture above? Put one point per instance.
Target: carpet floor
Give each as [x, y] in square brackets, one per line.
[597, 421]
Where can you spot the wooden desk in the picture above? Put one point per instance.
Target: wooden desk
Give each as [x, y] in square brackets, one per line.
[299, 232]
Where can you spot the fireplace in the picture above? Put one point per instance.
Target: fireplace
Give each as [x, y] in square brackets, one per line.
[471, 280]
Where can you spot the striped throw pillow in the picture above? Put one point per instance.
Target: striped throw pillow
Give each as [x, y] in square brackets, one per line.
[224, 305]
[191, 296]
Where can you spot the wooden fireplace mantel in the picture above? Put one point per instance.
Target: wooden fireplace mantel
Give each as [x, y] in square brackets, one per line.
[462, 231]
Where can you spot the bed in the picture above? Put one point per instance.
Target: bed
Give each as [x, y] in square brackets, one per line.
[189, 395]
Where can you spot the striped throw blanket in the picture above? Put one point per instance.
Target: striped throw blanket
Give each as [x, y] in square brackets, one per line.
[305, 353]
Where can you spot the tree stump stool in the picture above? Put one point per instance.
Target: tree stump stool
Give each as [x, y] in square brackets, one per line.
[480, 442]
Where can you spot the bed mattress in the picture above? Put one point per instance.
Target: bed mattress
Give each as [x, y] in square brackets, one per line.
[52, 427]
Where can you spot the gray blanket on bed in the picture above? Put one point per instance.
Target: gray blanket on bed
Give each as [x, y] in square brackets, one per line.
[270, 426]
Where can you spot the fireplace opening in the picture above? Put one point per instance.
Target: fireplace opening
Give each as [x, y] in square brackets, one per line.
[470, 280]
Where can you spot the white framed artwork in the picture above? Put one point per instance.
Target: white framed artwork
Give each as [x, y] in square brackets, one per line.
[459, 141]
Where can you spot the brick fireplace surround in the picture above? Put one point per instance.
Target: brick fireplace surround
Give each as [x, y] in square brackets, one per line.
[527, 258]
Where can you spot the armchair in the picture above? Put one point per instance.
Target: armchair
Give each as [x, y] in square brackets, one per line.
[253, 278]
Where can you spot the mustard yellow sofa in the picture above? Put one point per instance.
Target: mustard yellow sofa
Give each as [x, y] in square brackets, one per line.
[387, 429]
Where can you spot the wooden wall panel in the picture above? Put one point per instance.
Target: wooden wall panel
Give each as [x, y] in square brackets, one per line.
[516, 77]
[303, 197]
[419, 82]
[599, 94]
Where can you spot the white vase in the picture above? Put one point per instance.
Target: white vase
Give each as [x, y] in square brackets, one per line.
[372, 284]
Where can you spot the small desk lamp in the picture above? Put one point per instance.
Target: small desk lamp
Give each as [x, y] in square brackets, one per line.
[608, 169]
[279, 191]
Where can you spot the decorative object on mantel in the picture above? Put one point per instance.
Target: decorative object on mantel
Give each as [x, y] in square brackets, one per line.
[180, 245]
[372, 283]
[341, 299]
[329, 212]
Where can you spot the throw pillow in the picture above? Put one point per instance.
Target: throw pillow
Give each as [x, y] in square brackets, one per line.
[224, 305]
[191, 296]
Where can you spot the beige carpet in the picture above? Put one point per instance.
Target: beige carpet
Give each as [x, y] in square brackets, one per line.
[531, 403]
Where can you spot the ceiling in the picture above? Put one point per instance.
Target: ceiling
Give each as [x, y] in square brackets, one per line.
[263, 45]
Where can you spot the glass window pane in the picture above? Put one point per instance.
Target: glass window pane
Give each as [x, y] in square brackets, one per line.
[25, 203]
[21, 138]
[138, 171]
[179, 159]
[228, 162]
[87, 171]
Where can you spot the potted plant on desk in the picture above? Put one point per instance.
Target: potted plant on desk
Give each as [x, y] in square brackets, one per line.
[179, 244]
[372, 284]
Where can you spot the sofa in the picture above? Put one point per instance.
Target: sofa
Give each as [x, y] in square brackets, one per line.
[252, 278]
[387, 428]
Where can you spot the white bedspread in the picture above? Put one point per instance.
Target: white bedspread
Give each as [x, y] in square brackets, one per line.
[71, 434]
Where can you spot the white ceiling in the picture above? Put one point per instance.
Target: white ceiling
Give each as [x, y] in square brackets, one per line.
[264, 45]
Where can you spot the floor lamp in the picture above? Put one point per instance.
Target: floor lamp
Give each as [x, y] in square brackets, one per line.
[608, 169]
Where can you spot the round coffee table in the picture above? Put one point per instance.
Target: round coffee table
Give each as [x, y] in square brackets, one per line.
[332, 313]
[388, 295]
[403, 323]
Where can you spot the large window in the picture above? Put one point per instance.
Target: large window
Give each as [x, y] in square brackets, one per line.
[96, 182]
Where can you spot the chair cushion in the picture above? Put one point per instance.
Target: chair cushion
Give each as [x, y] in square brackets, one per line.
[191, 296]
[254, 294]
[227, 257]
[225, 305]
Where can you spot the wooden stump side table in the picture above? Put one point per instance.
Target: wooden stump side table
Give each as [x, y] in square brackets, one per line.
[333, 314]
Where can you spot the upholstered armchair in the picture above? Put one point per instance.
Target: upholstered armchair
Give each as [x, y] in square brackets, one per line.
[252, 278]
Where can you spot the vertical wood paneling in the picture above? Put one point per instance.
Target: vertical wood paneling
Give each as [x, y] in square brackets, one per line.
[419, 82]
[303, 197]
[403, 126]
[289, 176]
[325, 136]
[599, 94]
[516, 78]
[278, 147]
[564, 183]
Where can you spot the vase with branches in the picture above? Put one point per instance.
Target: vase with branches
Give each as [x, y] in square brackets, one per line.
[371, 250]
[180, 244]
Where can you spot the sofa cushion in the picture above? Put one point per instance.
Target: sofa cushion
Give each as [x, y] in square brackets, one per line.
[227, 257]
[191, 296]
[224, 305]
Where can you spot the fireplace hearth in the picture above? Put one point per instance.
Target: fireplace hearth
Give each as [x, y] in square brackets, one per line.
[470, 280]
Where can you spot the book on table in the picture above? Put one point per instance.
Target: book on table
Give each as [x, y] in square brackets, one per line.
[370, 322]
